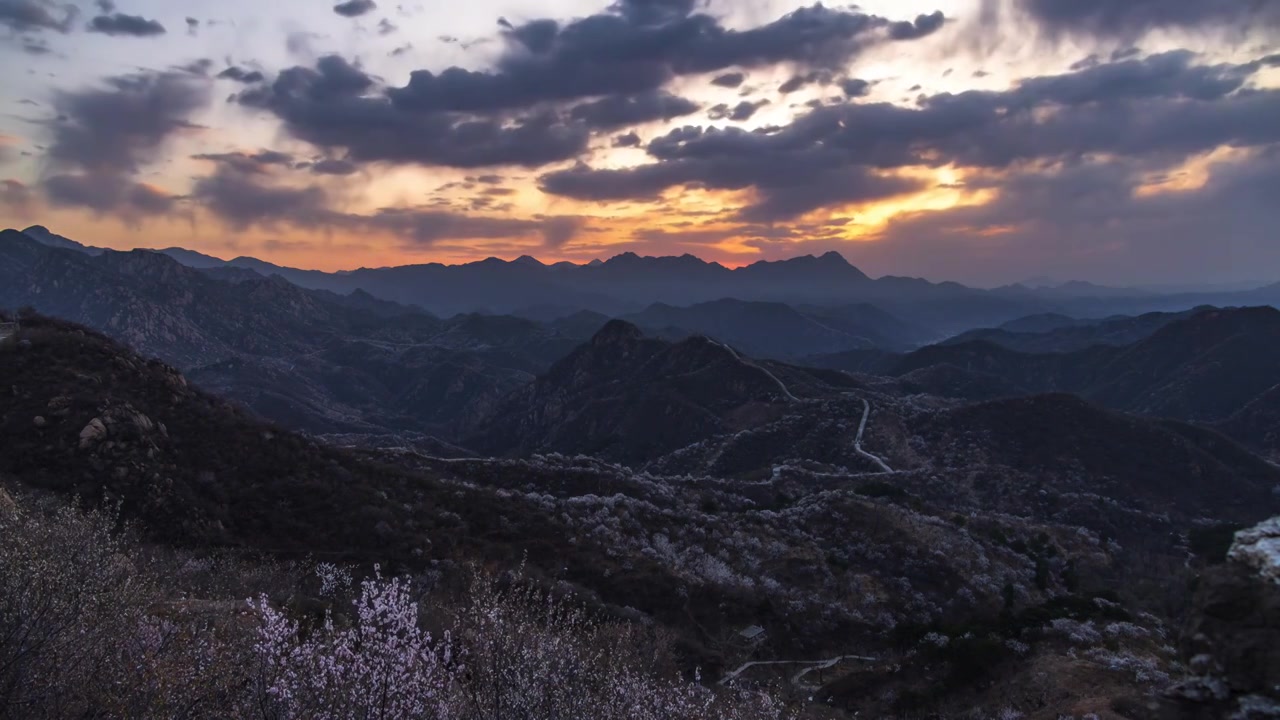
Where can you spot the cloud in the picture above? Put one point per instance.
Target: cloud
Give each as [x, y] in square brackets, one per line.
[107, 194]
[629, 140]
[253, 163]
[1161, 107]
[639, 48]
[386, 27]
[35, 15]
[1087, 220]
[329, 107]
[123, 125]
[741, 112]
[853, 87]
[121, 24]
[1128, 19]
[923, 26]
[729, 80]
[620, 110]
[244, 200]
[193, 26]
[355, 8]
[15, 196]
[331, 166]
[241, 75]
[105, 135]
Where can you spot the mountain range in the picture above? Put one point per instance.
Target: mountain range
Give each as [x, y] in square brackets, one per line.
[629, 283]
[1014, 511]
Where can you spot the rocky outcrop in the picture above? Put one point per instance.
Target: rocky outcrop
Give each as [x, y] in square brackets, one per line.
[1232, 642]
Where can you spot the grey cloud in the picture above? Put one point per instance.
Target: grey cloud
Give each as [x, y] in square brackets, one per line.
[854, 87]
[331, 166]
[355, 8]
[107, 194]
[1161, 107]
[327, 106]
[620, 110]
[729, 80]
[923, 26]
[117, 128]
[252, 163]
[240, 75]
[105, 135]
[741, 112]
[130, 25]
[243, 201]
[33, 15]
[797, 82]
[1132, 18]
[1085, 220]
[612, 54]
[15, 196]
[629, 140]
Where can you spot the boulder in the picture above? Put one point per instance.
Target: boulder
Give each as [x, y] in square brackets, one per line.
[93, 433]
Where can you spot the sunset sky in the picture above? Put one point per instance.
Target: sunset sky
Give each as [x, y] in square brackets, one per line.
[1118, 141]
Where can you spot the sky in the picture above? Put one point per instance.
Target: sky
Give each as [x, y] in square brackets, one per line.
[985, 141]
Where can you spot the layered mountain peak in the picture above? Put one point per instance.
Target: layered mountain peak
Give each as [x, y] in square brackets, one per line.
[616, 332]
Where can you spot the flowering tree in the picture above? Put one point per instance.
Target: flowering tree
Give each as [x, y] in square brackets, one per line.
[384, 666]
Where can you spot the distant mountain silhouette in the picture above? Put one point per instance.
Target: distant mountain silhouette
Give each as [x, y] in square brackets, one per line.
[1058, 333]
[775, 330]
[1203, 367]
[628, 283]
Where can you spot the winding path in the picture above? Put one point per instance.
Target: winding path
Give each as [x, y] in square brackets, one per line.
[857, 444]
[781, 386]
[814, 665]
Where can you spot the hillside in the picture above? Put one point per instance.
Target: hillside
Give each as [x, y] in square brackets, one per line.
[1059, 334]
[626, 397]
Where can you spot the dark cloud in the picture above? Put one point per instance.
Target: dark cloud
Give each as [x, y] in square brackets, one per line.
[1132, 18]
[630, 140]
[355, 8]
[923, 26]
[1086, 220]
[787, 183]
[631, 51]
[33, 15]
[241, 75]
[193, 26]
[620, 110]
[1161, 107]
[241, 202]
[796, 82]
[104, 136]
[729, 80]
[614, 64]
[853, 87]
[251, 163]
[330, 166]
[741, 112]
[119, 127]
[33, 45]
[15, 197]
[386, 27]
[121, 24]
[244, 200]
[107, 194]
[327, 106]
